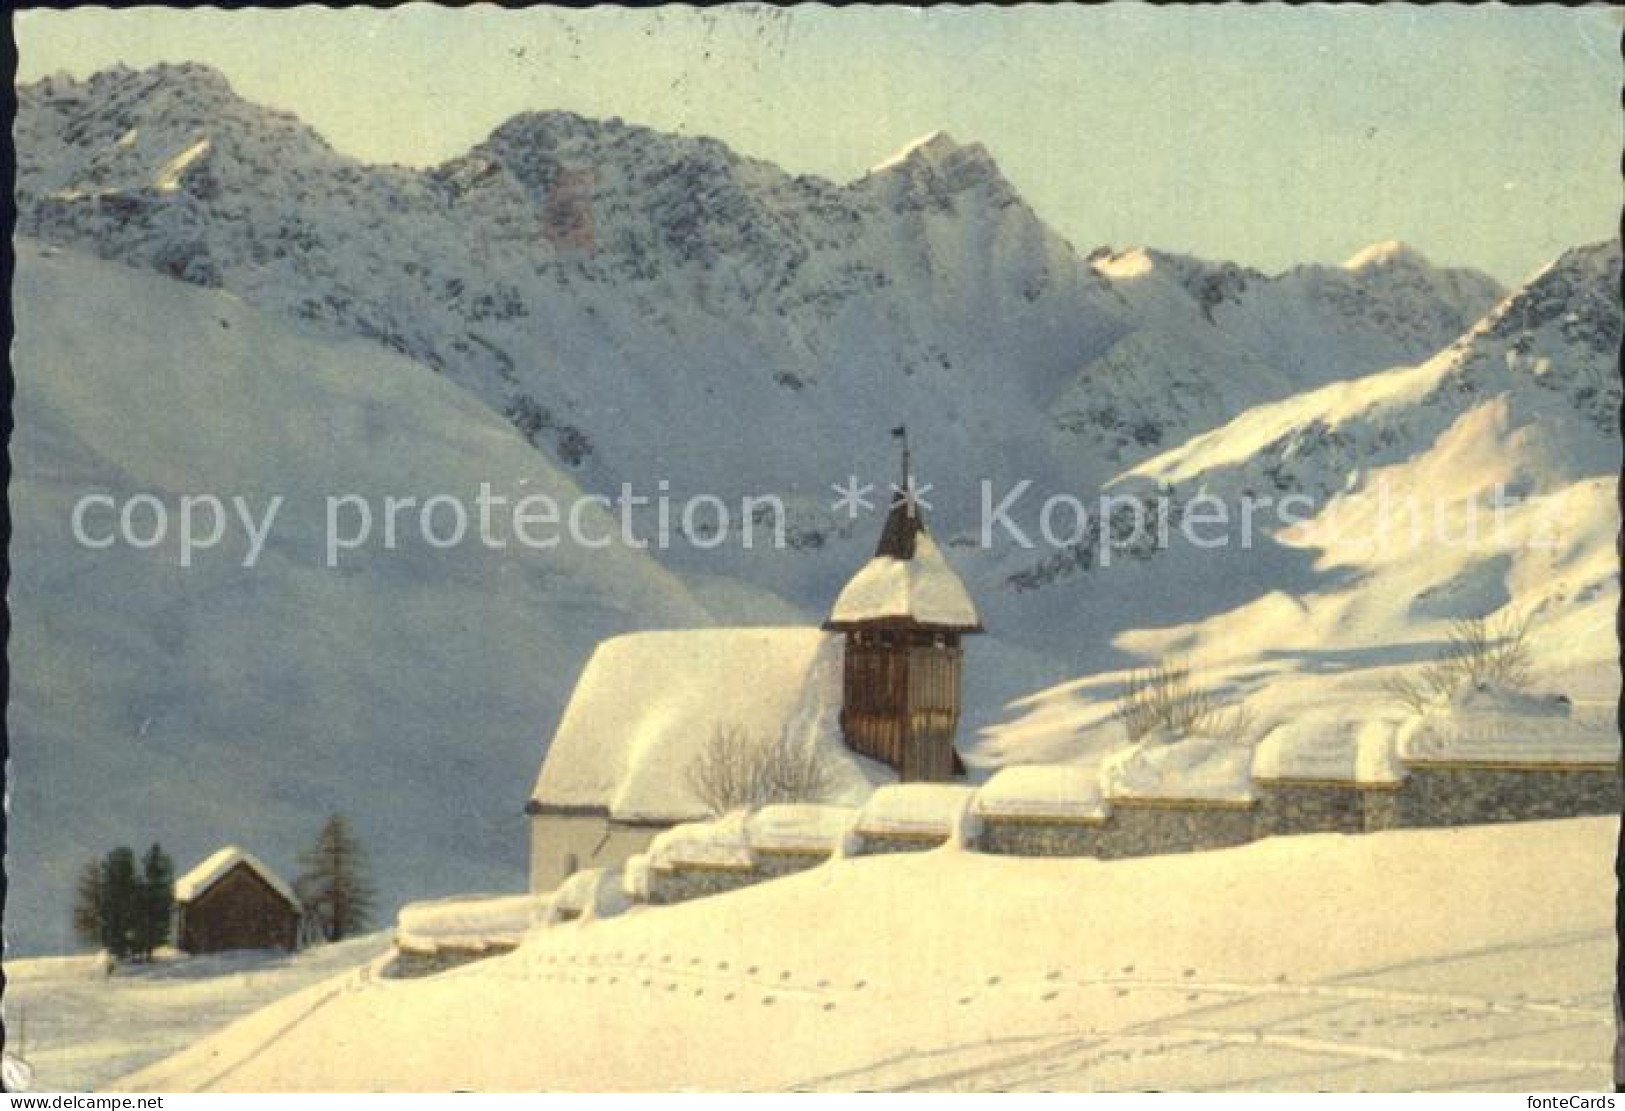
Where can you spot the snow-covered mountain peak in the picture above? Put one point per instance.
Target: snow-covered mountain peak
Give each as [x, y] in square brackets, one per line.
[538, 147]
[1128, 265]
[1574, 301]
[939, 165]
[1135, 263]
[166, 87]
[552, 128]
[1387, 253]
[935, 147]
[129, 134]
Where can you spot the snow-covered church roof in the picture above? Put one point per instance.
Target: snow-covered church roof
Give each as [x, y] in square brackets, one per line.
[647, 704]
[214, 869]
[908, 579]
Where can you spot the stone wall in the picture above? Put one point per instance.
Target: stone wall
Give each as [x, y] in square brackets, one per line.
[874, 844]
[772, 863]
[1309, 806]
[1380, 806]
[410, 963]
[1026, 836]
[1433, 794]
[1146, 827]
[1456, 794]
[693, 881]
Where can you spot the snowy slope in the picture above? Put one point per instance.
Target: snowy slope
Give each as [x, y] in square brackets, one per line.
[410, 689]
[79, 1028]
[1466, 958]
[1480, 482]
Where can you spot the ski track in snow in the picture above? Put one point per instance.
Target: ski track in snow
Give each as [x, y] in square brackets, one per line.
[1066, 1056]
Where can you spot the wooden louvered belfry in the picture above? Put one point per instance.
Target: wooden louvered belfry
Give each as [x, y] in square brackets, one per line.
[903, 616]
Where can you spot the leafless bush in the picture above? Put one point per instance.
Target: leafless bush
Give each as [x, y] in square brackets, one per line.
[736, 770]
[1419, 691]
[1479, 653]
[1164, 698]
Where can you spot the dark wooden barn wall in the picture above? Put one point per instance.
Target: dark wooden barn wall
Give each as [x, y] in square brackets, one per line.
[241, 911]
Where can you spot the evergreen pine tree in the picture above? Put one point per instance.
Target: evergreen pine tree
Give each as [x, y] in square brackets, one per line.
[333, 885]
[157, 891]
[87, 904]
[121, 903]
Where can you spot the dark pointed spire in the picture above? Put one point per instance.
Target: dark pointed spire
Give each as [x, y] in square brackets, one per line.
[904, 521]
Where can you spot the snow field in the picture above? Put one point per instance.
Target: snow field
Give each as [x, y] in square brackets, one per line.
[1436, 959]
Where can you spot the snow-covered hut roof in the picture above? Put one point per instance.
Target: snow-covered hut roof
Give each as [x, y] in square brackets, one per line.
[648, 704]
[212, 870]
[908, 579]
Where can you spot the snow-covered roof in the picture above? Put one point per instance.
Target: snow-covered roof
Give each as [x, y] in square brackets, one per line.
[1063, 792]
[908, 578]
[1195, 769]
[212, 870]
[924, 588]
[648, 704]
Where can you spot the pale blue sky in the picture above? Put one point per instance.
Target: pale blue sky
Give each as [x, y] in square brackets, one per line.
[1483, 135]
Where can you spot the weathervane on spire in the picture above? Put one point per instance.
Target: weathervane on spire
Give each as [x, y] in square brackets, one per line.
[905, 488]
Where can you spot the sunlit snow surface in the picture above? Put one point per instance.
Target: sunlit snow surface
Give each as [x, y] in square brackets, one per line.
[1475, 958]
[79, 1028]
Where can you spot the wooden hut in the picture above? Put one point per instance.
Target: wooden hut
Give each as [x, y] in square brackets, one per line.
[233, 901]
[903, 616]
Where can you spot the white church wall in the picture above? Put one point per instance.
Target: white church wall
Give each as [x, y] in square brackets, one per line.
[561, 844]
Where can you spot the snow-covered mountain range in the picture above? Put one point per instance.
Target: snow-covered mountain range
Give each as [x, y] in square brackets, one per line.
[645, 307]
[657, 305]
